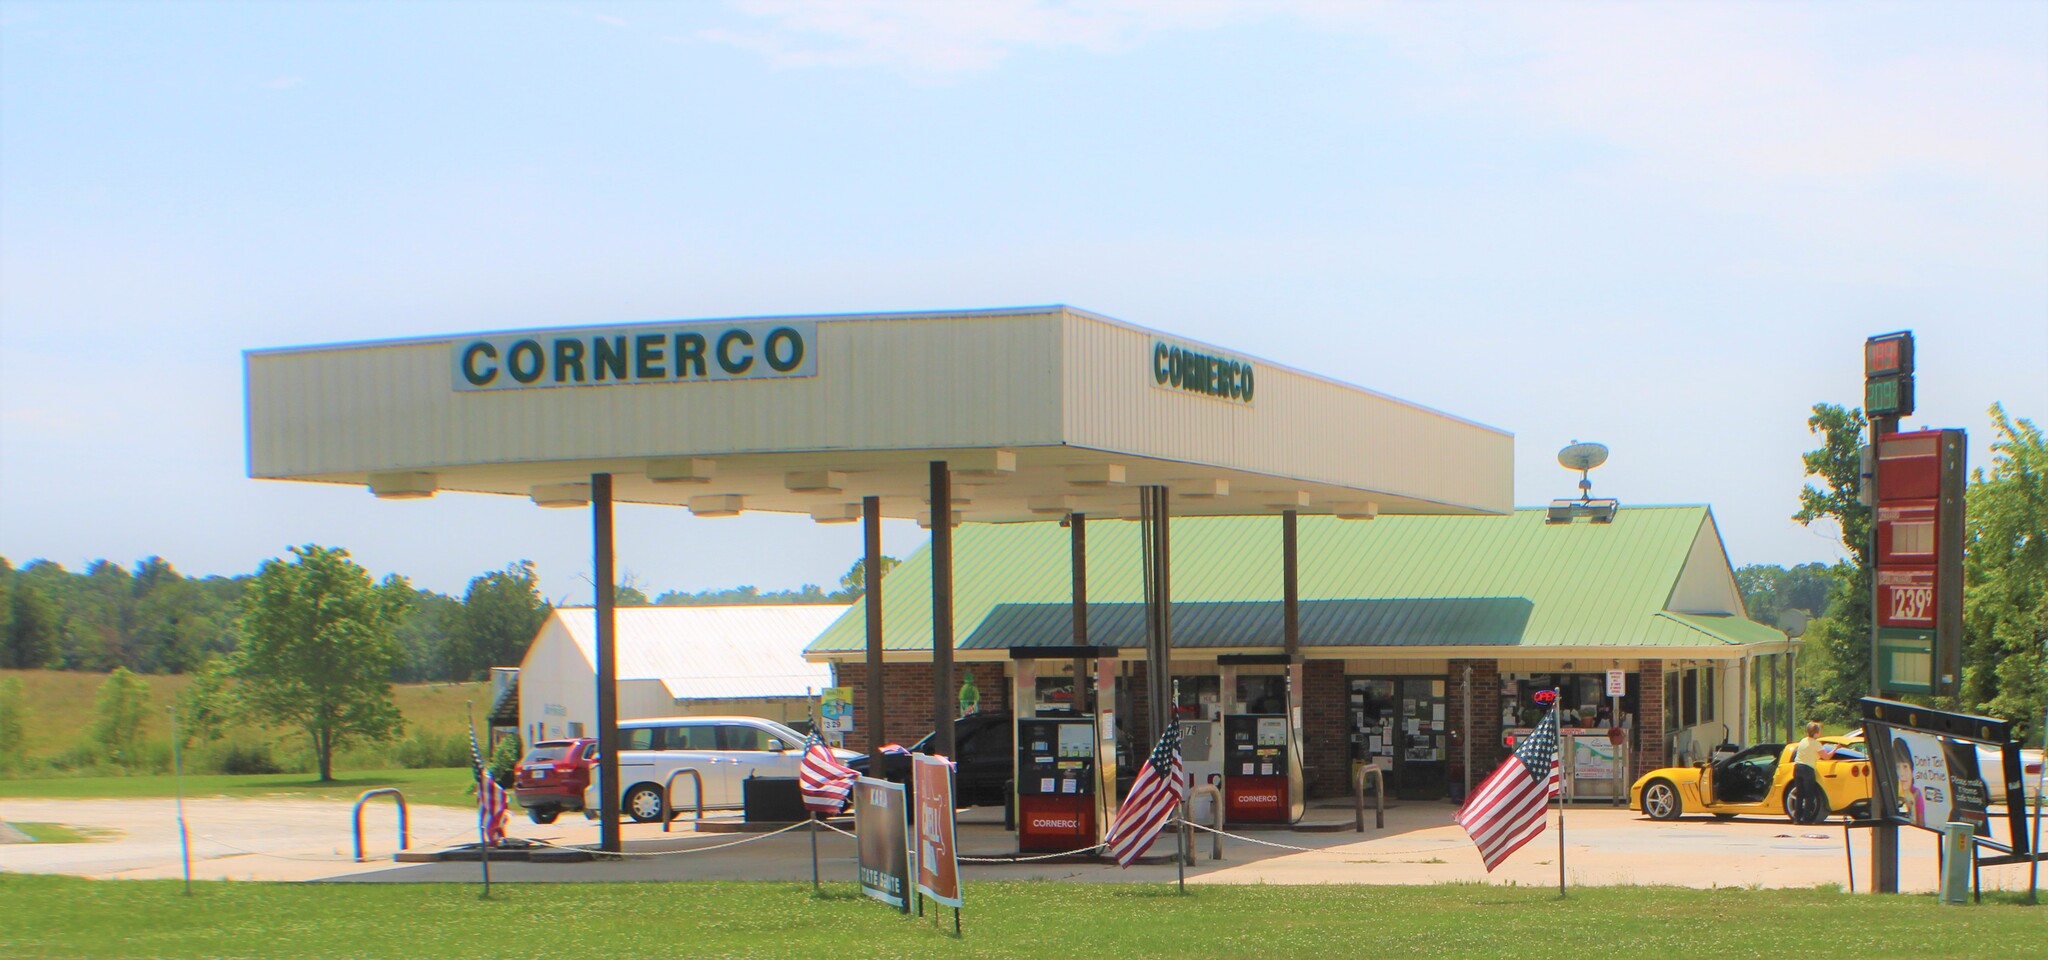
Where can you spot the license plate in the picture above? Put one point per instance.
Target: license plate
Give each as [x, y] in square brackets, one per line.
[538, 773]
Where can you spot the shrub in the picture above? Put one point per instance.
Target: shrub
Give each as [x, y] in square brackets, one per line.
[243, 757]
[505, 758]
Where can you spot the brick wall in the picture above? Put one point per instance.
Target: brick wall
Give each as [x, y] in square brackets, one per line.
[1482, 729]
[907, 699]
[1326, 749]
[1648, 745]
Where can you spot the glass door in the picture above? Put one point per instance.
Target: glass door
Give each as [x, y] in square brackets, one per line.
[1398, 724]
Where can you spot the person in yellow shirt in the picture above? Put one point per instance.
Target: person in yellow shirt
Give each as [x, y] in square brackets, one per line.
[1808, 803]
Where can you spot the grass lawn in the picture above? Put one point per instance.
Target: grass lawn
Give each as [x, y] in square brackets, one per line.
[57, 832]
[62, 916]
[448, 786]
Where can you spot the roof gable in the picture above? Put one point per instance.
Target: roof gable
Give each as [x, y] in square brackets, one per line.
[711, 652]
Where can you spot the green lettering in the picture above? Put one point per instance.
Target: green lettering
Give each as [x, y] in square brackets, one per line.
[725, 359]
[689, 355]
[536, 360]
[647, 357]
[608, 357]
[568, 360]
[794, 346]
[479, 378]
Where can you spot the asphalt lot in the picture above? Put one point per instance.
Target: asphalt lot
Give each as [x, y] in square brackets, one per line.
[283, 839]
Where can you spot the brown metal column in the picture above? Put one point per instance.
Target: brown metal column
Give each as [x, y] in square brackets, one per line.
[871, 604]
[1077, 528]
[607, 662]
[943, 694]
[1290, 583]
[1152, 507]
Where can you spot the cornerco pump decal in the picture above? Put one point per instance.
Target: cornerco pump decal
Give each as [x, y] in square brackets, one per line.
[645, 353]
[1183, 368]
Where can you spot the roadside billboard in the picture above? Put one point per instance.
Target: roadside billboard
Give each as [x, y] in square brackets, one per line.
[878, 819]
[1934, 780]
[938, 866]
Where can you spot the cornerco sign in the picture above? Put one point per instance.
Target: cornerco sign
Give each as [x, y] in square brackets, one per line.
[676, 353]
[1182, 368]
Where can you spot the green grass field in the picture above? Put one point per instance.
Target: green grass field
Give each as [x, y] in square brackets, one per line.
[65, 917]
[443, 786]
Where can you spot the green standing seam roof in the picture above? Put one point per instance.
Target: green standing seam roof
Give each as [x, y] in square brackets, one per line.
[1510, 580]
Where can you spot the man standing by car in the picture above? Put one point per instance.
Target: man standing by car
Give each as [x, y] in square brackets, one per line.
[1811, 802]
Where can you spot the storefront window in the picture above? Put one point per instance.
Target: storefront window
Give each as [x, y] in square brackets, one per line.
[1583, 699]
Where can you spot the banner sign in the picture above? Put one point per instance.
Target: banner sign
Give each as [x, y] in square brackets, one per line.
[642, 353]
[835, 711]
[1934, 780]
[938, 866]
[879, 808]
[1593, 758]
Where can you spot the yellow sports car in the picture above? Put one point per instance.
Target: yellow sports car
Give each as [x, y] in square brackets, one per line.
[1758, 782]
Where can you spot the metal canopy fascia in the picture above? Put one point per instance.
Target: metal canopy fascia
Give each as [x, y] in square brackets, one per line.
[1041, 412]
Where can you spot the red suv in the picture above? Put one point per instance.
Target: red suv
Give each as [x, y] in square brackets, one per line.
[552, 777]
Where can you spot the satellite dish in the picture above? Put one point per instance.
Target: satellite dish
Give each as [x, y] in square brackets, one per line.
[1582, 456]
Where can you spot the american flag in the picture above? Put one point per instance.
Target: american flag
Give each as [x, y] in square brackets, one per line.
[825, 782]
[490, 798]
[1509, 809]
[1160, 787]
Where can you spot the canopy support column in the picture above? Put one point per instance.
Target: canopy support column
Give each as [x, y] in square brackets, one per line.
[943, 694]
[1152, 511]
[871, 604]
[607, 662]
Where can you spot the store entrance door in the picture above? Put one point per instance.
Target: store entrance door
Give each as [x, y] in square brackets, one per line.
[1398, 723]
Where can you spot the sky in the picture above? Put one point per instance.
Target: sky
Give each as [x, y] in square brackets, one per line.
[1663, 227]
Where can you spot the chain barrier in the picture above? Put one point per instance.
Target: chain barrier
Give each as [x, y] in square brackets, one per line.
[670, 853]
[1044, 856]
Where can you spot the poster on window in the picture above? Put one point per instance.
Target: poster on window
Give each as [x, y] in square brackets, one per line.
[1593, 758]
[1935, 781]
[938, 868]
[878, 819]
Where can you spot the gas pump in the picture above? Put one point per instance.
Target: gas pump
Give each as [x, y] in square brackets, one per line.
[1262, 776]
[1066, 756]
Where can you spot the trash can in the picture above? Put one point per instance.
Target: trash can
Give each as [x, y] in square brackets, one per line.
[1958, 854]
[771, 800]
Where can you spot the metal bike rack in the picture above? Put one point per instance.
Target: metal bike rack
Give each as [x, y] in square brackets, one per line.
[1379, 792]
[404, 834]
[668, 789]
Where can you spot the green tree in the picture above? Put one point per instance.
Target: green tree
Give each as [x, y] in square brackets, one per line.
[501, 611]
[1835, 655]
[431, 619]
[505, 759]
[11, 727]
[318, 647]
[854, 581]
[119, 710]
[2005, 573]
[207, 705]
[29, 627]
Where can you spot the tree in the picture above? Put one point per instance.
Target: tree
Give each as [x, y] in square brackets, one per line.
[855, 581]
[207, 705]
[29, 627]
[119, 710]
[1835, 655]
[318, 647]
[2005, 575]
[501, 611]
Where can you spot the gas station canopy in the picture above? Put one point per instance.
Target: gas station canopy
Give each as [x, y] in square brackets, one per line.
[1038, 411]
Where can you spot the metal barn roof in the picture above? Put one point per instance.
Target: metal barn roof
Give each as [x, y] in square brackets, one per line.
[713, 652]
[1655, 577]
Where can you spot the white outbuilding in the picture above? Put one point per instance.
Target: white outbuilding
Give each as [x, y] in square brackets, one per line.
[675, 661]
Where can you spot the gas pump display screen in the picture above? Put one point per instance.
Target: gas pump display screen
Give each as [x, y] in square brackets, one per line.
[1272, 731]
[1076, 741]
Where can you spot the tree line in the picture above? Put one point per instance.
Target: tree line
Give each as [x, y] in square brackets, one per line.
[153, 619]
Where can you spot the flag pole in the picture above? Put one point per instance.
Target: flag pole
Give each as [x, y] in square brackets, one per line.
[178, 778]
[1557, 721]
[811, 708]
[483, 839]
[1180, 830]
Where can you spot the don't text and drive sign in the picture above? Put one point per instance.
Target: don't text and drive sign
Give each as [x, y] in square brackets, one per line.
[643, 353]
[938, 866]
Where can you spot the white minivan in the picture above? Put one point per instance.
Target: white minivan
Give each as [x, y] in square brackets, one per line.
[723, 750]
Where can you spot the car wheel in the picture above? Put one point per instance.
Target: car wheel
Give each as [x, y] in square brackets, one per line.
[542, 814]
[643, 803]
[1660, 801]
[1802, 808]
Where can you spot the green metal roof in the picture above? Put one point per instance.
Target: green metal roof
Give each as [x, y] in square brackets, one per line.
[1396, 581]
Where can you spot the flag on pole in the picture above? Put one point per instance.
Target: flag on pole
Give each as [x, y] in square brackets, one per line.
[491, 805]
[825, 782]
[1508, 810]
[1160, 787]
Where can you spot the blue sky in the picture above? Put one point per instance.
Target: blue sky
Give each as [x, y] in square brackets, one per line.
[1664, 227]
